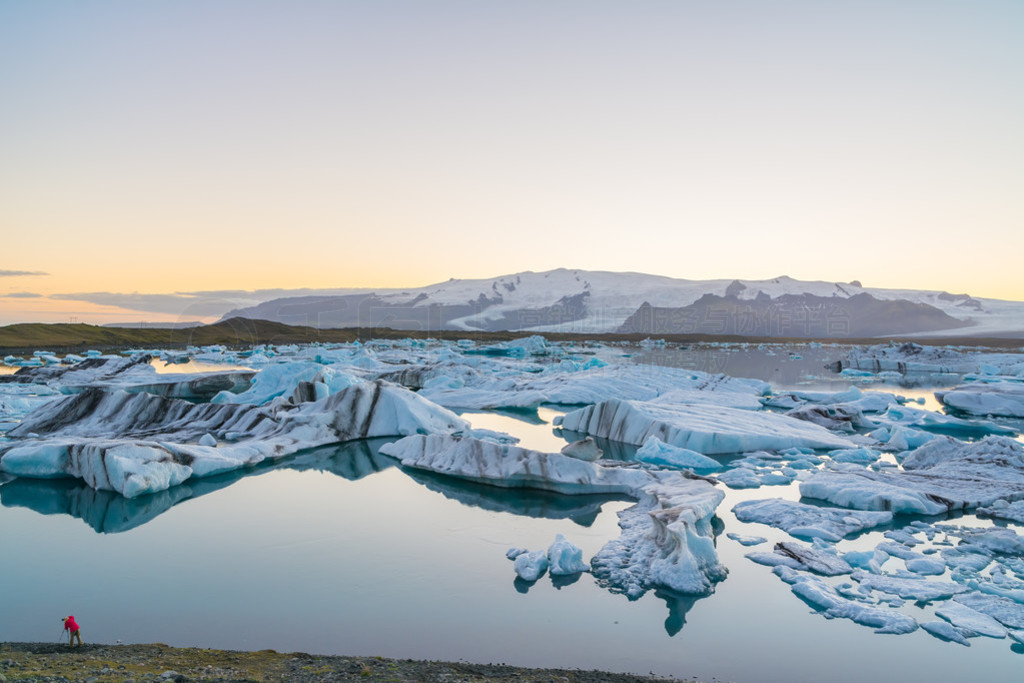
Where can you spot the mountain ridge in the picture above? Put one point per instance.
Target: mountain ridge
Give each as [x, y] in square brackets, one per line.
[581, 301]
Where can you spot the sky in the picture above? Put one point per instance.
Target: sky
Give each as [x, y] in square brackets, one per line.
[160, 160]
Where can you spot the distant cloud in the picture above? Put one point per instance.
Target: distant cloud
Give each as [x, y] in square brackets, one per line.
[21, 295]
[192, 304]
[18, 273]
[181, 304]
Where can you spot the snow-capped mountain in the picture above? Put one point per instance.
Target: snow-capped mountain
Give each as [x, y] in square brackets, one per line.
[598, 301]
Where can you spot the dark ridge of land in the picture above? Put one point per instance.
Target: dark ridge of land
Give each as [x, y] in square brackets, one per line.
[24, 338]
[158, 662]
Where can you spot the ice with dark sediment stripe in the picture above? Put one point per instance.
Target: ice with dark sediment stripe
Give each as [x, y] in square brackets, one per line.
[706, 429]
[138, 443]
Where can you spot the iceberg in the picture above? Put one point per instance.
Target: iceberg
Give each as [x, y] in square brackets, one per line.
[530, 566]
[139, 443]
[809, 521]
[832, 605]
[656, 452]
[945, 631]
[283, 379]
[710, 430]
[565, 559]
[999, 398]
[919, 589]
[803, 557]
[970, 621]
[1007, 612]
[944, 474]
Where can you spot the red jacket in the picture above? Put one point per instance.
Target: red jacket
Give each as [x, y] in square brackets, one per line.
[70, 624]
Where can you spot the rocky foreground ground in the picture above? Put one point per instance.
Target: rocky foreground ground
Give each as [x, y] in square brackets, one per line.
[121, 663]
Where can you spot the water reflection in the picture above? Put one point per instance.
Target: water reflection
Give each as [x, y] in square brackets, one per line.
[678, 605]
[108, 512]
[581, 509]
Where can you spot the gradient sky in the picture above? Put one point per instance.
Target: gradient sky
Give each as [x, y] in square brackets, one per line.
[162, 147]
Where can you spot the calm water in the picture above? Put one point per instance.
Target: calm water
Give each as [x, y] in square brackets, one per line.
[340, 551]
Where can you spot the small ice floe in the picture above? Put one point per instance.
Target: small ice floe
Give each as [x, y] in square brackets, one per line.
[809, 521]
[584, 449]
[822, 561]
[832, 605]
[1003, 399]
[746, 540]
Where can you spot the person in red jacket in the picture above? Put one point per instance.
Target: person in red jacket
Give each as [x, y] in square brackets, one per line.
[71, 626]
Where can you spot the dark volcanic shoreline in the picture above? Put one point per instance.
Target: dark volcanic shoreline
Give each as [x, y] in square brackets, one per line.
[158, 662]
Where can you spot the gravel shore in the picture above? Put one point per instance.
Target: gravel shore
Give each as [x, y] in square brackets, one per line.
[157, 662]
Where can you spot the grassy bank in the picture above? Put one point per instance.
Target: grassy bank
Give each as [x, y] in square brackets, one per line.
[157, 662]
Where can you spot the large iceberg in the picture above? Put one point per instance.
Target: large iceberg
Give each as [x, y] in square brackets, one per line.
[138, 443]
[710, 430]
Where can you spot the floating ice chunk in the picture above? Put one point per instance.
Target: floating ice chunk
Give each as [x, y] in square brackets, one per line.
[97, 435]
[740, 478]
[970, 621]
[945, 631]
[871, 560]
[207, 440]
[992, 540]
[832, 605]
[868, 490]
[808, 521]
[859, 456]
[1003, 610]
[808, 558]
[283, 379]
[1005, 399]
[657, 452]
[966, 558]
[666, 541]
[944, 474]
[532, 565]
[901, 536]
[706, 429]
[514, 467]
[928, 420]
[746, 540]
[916, 588]
[584, 449]
[1001, 509]
[926, 566]
[565, 558]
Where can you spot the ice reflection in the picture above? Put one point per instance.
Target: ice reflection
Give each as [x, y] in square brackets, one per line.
[581, 509]
[108, 512]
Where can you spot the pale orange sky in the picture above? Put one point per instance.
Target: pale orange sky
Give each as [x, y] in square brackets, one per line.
[190, 146]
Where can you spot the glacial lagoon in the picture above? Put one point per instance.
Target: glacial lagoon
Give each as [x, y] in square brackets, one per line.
[340, 550]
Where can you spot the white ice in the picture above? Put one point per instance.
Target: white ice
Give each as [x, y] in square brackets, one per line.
[710, 430]
[808, 521]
